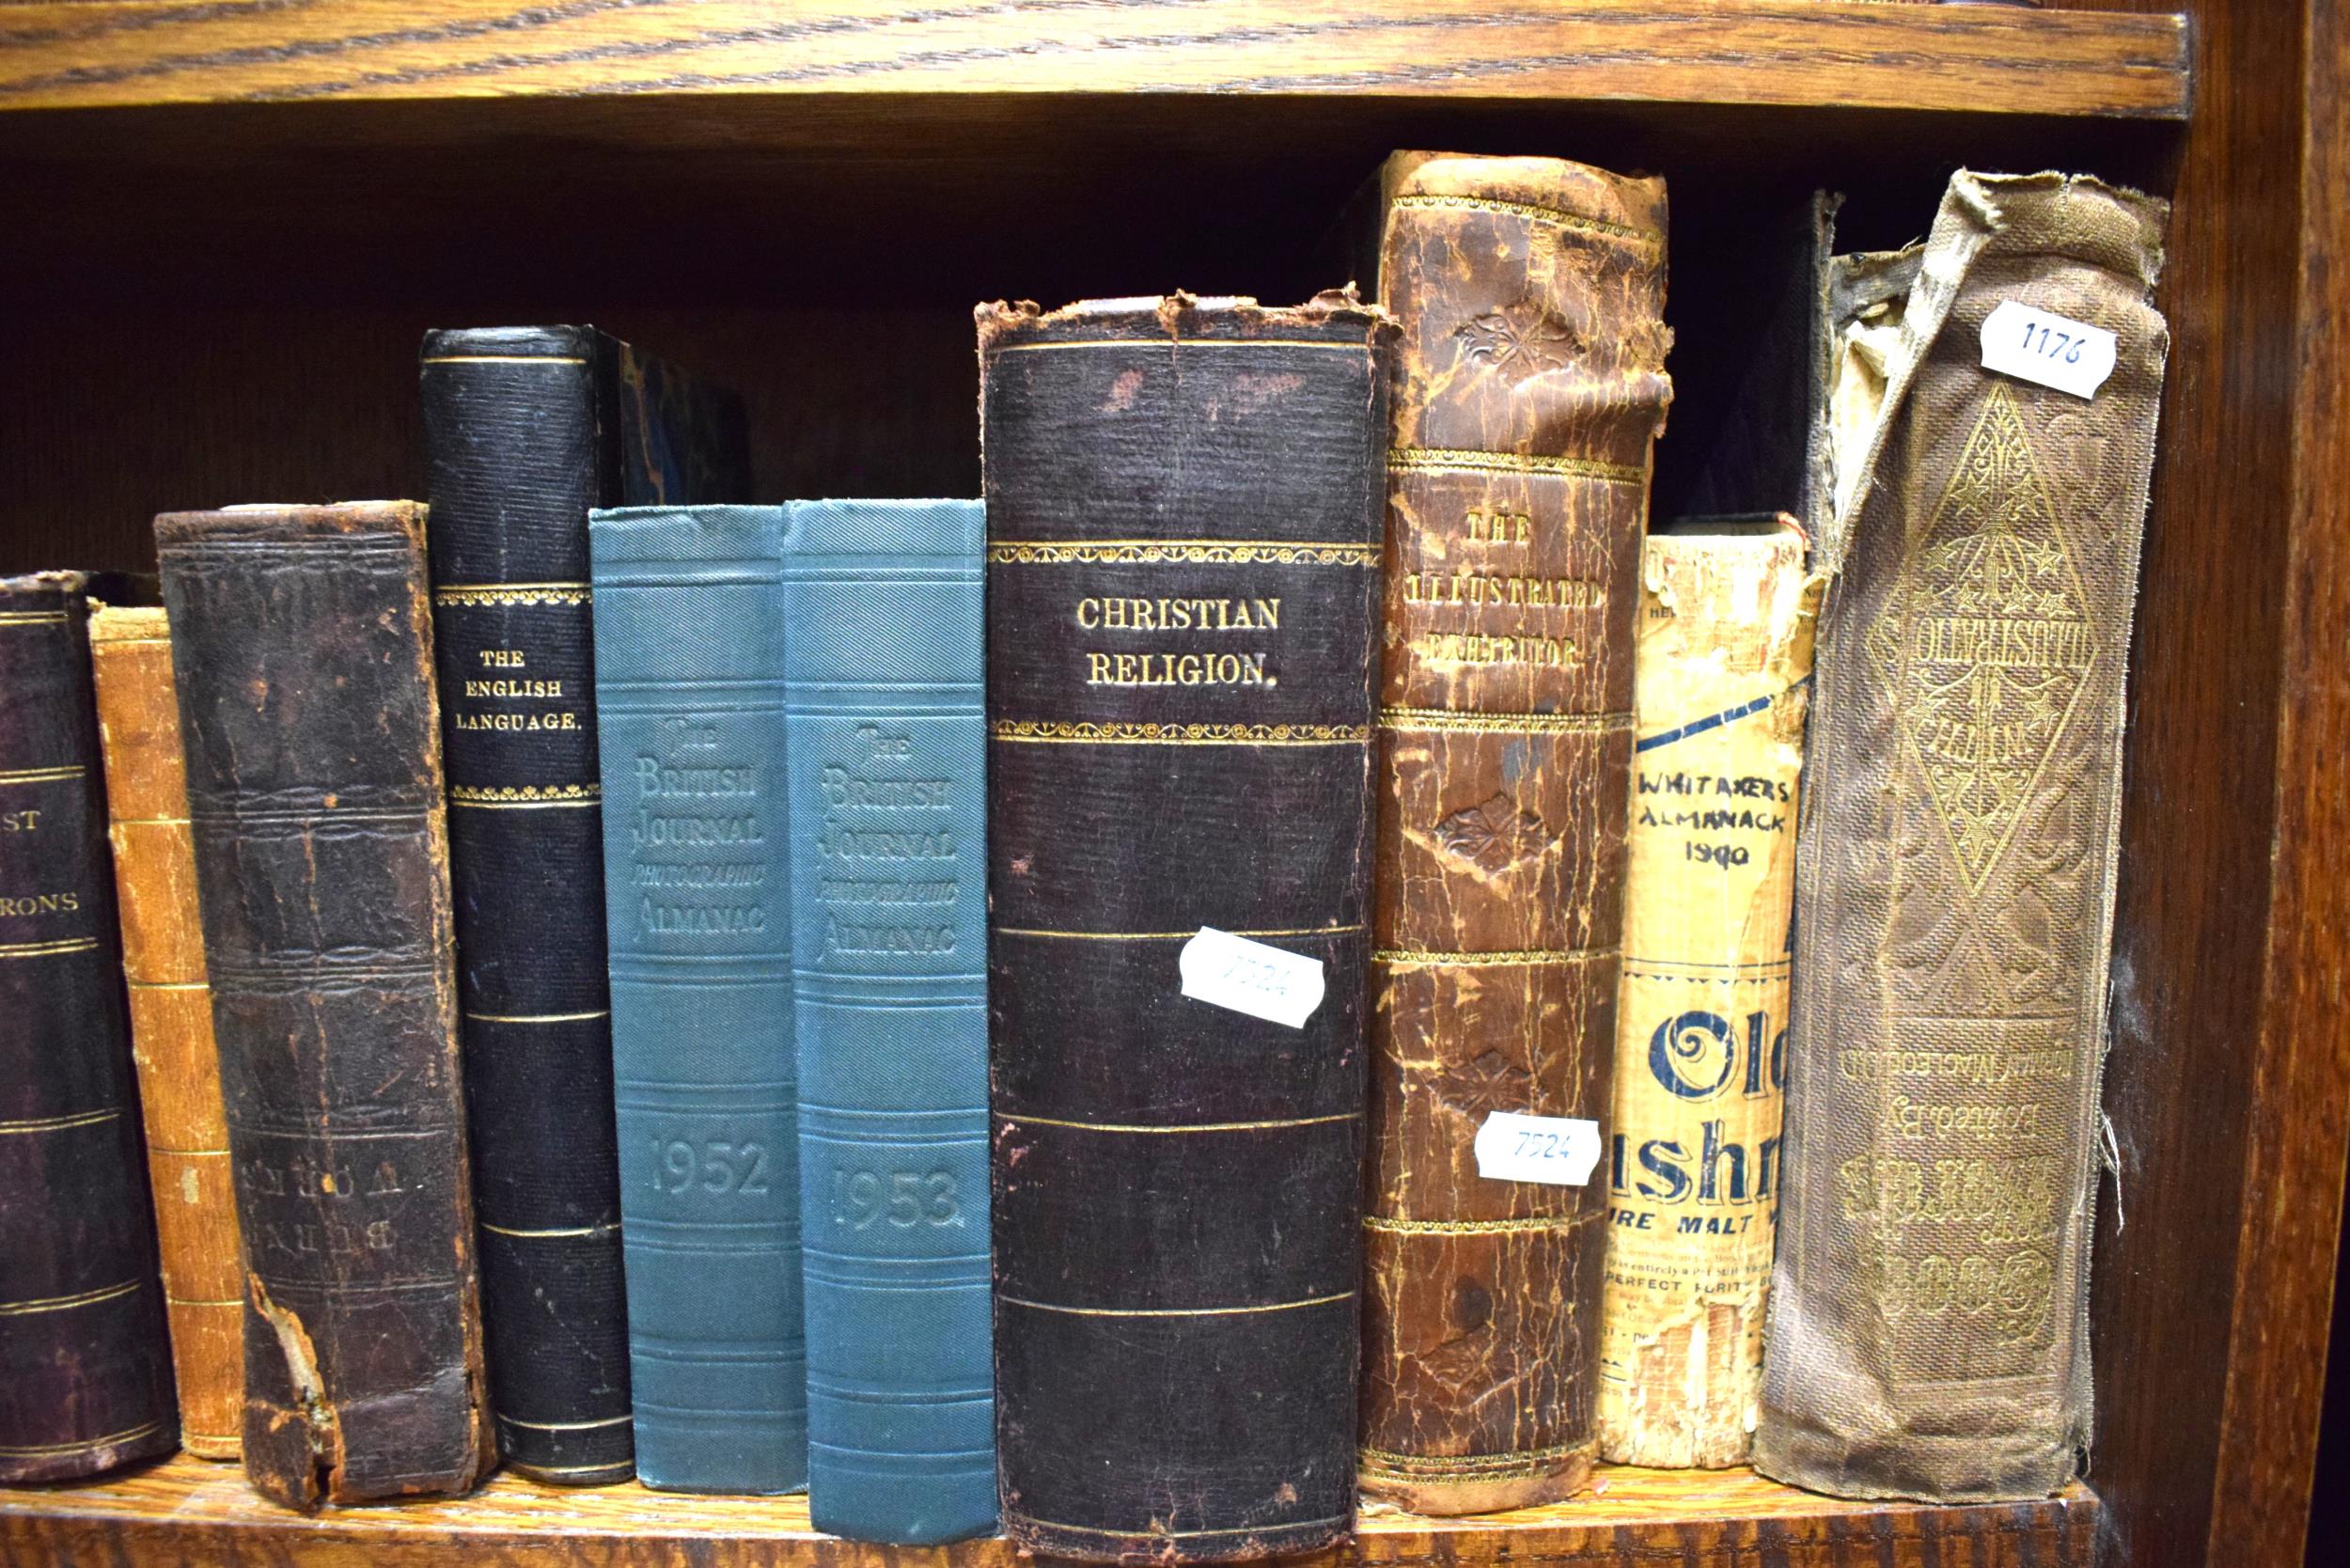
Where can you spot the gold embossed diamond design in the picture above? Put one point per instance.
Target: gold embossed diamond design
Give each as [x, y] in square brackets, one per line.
[1988, 650]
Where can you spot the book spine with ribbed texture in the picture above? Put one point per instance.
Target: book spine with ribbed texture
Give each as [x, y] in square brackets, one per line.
[171, 1021]
[888, 782]
[302, 653]
[1184, 504]
[1530, 388]
[689, 624]
[84, 1367]
[517, 449]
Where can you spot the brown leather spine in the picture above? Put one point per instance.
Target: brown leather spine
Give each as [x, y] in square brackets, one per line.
[1531, 389]
[171, 1021]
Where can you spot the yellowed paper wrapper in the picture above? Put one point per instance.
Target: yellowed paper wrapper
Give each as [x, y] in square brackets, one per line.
[1724, 653]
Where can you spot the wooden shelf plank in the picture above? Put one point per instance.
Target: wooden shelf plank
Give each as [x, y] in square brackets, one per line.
[185, 1510]
[1849, 52]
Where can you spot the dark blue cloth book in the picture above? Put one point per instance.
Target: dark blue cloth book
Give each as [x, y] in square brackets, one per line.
[887, 748]
[689, 625]
[526, 429]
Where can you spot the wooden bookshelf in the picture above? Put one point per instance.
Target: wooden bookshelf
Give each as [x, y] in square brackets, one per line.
[1854, 52]
[231, 223]
[187, 1510]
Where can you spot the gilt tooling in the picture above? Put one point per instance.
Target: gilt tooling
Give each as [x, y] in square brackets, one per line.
[84, 1375]
[1955, 872]
[171, 1021]
[1177, 1261]
[1530, 386]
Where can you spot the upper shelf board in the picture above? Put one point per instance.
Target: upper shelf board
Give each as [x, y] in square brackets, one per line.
[1858, 54]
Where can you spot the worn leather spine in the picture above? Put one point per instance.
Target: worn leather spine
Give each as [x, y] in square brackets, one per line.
[698, 863]
[171, 1021]
[1183, 506]
[84, 1367]
[888, 784]
[1928, 1331]
[1724, 659]
[302, 649]
[525, 429]
[1530, 388]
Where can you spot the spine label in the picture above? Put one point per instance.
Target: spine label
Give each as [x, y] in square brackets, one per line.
[1692, 1158]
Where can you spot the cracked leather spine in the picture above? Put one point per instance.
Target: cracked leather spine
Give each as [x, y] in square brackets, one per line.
[526, 428]
[1184, 504]
[84, 1375]
[689, 692]
[1529, 391]
[1955, 867]
[302, 649]
[888, 783]
[171, 1021]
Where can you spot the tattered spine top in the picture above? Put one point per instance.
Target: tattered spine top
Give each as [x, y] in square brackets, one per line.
[1183, 500]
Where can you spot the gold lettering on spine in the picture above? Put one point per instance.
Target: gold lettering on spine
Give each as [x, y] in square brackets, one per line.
[1724, 646]
[1179, 615]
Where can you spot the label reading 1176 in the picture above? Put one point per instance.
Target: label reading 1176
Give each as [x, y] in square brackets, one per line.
[2042, 346]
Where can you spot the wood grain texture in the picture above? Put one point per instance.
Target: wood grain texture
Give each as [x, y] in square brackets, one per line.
[2293, 1176]
[1841, 51]
[2203, 1047]
[183, 1511]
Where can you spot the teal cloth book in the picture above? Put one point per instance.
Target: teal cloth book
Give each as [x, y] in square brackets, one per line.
[689, 627]
[887, 785]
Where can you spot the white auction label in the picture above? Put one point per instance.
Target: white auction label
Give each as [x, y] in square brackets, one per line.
[1267, 982]
[2055, 351]
[1512, 1146]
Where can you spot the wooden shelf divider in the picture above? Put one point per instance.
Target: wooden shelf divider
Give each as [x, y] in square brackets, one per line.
[188, 1511]
[1827, 53]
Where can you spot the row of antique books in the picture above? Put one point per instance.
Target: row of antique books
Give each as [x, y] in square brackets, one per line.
[1263, 960]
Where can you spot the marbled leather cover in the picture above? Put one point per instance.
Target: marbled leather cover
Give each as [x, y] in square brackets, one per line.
[84, 1364]
[1531, 389]
[1184, 502]
[526, 428]
[171, 1021]
[302, 645]
[1954, 874]
[689, 689]
[888, 784]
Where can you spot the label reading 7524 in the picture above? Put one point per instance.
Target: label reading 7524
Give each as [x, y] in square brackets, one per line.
[1557, 1151]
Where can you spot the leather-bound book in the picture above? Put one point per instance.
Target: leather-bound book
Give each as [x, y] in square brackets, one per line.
[302, 647]
[1530, 388]
[525, 429]
[1184, 504]
[85, 1363]
[1727, 610]
[698, 905]
[888, 787]
[1954, 874]
[171, 1021]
